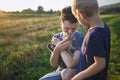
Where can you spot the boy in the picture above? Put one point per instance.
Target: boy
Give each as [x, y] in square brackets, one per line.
[95, 51]
[60, 56]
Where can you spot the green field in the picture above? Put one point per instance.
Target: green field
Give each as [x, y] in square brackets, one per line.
[23, 40]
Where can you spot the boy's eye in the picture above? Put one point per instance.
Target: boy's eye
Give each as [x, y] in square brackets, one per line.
[69, 28]
[66, 27]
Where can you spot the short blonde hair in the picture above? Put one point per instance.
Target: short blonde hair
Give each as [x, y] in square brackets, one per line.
[88, 7]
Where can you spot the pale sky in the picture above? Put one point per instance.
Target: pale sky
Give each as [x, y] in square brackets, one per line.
[19, 5]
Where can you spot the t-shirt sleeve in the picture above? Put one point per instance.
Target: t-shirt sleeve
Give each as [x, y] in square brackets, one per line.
[96, 46]
[58, 35]
[55, 37]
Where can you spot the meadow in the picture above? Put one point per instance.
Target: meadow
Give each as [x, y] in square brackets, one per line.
[23, 45]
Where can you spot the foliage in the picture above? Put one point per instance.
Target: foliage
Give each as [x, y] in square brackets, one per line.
[23, 40]
[112, 8]
[29, 11]
[107, 9]
[40, 10]
[114, 68]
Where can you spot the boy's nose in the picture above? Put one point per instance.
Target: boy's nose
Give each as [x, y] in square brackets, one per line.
[70, 31]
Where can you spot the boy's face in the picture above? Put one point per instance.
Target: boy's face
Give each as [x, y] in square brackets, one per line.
[82, 20]
[68, 27]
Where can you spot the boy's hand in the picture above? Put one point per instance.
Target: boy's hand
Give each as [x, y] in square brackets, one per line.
[63, 46]
[60, 45]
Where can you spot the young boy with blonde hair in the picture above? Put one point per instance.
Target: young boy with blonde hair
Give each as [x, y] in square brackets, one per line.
[95, 51]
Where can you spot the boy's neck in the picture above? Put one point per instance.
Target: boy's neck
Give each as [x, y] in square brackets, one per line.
[95, 21]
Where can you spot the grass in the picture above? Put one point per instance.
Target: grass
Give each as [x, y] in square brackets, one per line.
[23, 40]
[114, 68]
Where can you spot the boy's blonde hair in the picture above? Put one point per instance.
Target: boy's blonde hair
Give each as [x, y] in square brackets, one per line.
[88, 7]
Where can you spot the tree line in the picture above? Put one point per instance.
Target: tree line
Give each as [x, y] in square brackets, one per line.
[108, 9]
[40, 10]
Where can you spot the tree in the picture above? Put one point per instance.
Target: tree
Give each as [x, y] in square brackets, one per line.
[40, 9]
[27, 11]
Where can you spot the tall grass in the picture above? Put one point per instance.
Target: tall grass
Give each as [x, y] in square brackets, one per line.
[114, 68]
[23, 40]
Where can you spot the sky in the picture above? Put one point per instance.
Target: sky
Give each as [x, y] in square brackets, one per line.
[19, 5]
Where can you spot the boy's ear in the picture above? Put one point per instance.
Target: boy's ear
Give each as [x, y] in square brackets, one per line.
[81, 15]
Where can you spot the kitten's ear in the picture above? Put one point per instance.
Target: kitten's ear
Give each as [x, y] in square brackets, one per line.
[50, 47]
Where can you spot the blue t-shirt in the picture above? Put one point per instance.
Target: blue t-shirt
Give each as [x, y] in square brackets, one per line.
[97, 43]
[77, 42]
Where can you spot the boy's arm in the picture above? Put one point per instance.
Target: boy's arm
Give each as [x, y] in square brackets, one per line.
[70, 61]
[54, 59]
[97, 66]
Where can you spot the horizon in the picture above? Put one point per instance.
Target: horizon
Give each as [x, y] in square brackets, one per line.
[21, 5]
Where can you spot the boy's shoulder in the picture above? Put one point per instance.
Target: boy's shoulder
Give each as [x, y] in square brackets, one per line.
[78, 34]
[100, 30]
[100, 33]
[58, 35]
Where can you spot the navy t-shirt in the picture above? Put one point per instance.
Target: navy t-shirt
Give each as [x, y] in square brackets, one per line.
[96, 43]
